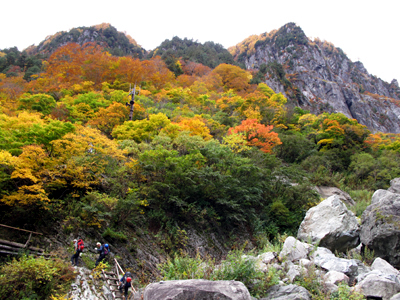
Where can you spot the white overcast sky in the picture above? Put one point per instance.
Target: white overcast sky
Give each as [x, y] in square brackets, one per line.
[366, 30]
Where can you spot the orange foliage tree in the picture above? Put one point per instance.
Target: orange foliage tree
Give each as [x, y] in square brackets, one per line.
[185, 80]
[11, 88]
[232, 77]
[98, 66]
[62, 70]
[107, 118]
[195, 69]
[72, 64]
[129, 70]
[196, 126]
[257, 134]
[156, 71]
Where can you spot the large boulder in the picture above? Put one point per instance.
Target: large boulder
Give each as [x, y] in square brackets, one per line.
[196, 289]
[294, 250]
[383, 266]
[325, 259]
[380, 227]
[382, 282]
[335, 277]
[287, 292]
[396, 297]
[377, 285]
[331, 224]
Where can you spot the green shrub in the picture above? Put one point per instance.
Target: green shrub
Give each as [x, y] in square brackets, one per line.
[368, 256]
[186, 268]
[111, 234]
[312, 282]
[344, 293]
[34, 278]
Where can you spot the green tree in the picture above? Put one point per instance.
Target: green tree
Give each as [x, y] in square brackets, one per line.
[39, 102]
[141, 130]
[294, 148]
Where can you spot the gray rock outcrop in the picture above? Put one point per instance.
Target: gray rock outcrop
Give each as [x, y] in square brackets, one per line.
[83, 287]
[396, 297]
[326, 260]
[288, 292]
[196, 289]
[380, 281]
[331, 224]
[335, 277]
[394, 186]
[294, 250]
[378, 286]
[380, 227]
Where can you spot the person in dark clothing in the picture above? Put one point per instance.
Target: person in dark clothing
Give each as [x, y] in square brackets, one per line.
[125, 283]
[103, 252]
[77, 251]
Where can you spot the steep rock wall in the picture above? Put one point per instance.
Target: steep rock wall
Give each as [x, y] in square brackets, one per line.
[319, 77]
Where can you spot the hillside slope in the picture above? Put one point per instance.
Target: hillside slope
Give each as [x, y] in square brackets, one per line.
[314, 75]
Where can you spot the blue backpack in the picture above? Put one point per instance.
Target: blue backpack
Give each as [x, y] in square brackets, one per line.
[106, 249]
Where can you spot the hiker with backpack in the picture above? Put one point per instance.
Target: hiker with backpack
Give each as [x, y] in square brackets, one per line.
[125, 283]
[78, 248]
[103, 250]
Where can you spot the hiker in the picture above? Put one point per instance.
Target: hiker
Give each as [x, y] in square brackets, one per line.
[78, 248]
[103, 251]
[125, 283]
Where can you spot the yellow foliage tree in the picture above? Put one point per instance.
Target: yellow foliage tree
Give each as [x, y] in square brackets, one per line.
[195, 126]
[107, 118]
[27, 177]
[141, 130]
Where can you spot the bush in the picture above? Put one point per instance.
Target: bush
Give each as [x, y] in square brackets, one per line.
[312, 282]
[345, 293]
[97, 271]
[113, 235]
[184, 267]
[34, 278]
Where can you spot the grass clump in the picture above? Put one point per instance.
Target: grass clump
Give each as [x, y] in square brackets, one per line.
[362, 199]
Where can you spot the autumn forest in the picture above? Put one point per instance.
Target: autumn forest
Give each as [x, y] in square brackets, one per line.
[209, 146]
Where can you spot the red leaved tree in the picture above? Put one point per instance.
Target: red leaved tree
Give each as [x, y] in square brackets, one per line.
[257, 134]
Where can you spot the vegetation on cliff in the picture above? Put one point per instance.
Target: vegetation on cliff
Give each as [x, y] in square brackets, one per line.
[206, 146]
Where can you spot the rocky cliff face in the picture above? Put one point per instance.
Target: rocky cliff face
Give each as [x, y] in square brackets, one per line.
[105, 35]
[319, 77]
